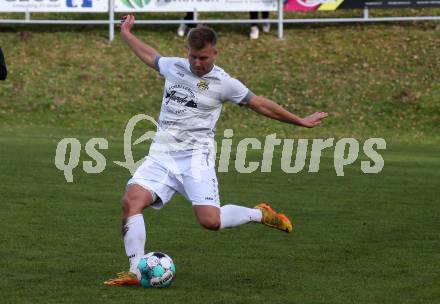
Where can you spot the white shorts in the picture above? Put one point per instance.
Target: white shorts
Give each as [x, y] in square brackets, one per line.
[191, 173]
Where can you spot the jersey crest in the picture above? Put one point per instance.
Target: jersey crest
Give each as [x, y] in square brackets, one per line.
[203, 85]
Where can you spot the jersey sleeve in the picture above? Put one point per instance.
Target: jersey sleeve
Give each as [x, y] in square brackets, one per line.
[163, 64]
[236, 92]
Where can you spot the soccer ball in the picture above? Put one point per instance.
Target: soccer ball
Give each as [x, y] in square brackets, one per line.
[157, 270]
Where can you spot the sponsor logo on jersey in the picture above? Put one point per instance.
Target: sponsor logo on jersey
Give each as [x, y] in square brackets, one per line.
[181, 95]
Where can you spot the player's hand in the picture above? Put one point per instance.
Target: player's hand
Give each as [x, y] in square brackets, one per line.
[127, 23]
[313, 119]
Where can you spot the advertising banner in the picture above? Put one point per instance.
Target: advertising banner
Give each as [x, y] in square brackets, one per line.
[331, 5]
[321, 5]
[91, 6]
[397, 4]
[199, 5]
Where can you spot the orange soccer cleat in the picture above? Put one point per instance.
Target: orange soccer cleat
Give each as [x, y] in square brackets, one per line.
[273, 219]
[124, 279]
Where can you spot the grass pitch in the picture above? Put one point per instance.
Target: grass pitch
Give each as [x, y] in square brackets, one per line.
[359, 238]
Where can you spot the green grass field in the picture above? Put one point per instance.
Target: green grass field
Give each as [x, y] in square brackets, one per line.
[361, 238]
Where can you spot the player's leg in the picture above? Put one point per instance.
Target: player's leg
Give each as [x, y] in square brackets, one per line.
[215, 218]
[233, 215]
[148, 187]
[134, 201]
[200, 186]
[208, 216]
[228, 216]
[136, 198]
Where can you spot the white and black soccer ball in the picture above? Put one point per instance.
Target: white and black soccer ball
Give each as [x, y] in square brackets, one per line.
[157, 270]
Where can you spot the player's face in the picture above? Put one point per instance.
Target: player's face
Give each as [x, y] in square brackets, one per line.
[201, 61]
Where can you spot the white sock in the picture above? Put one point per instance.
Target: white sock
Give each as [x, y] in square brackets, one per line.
[134, 240]
[233, 215]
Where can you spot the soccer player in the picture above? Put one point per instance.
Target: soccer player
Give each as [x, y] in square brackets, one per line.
[180, 158]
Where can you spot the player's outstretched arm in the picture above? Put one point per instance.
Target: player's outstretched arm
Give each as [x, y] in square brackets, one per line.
[273, 110]
[145, 52]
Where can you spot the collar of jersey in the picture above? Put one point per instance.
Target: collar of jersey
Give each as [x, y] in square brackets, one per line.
[204, 75]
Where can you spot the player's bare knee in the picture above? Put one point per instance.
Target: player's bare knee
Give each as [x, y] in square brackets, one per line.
[126, 204]
[211, 223]
[132, 204]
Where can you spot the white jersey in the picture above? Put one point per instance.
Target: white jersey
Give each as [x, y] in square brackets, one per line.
[192, 104]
